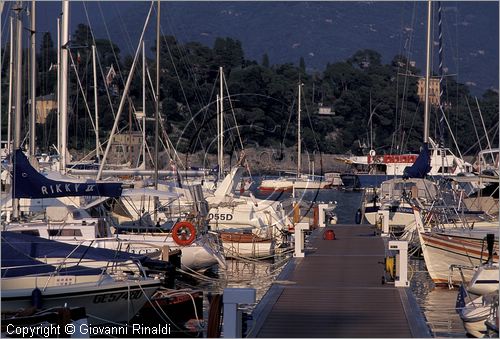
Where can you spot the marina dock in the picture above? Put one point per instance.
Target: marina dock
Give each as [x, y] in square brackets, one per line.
[336, 290]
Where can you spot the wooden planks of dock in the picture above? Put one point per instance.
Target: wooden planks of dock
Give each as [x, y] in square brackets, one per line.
[337, 291]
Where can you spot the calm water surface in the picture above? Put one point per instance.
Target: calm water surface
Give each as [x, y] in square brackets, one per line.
[437, 303]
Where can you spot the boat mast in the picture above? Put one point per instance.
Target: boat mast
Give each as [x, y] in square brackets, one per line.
[18, 60]
[33, 83]
[157, 107]
[221, 121]
[299, 137]
[427, 72]
[217, 101]
[11, 76]
[58, 95]
[97, 145]
[63, 97]
[143, 105]
[123, 98]
[441, 87]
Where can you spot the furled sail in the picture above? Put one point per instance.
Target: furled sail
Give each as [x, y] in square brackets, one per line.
[29, 183]
[421, 166]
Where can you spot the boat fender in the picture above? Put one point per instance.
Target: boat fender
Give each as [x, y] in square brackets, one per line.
[358, 216]
[184, 233]
[329, 235]
[36, 298]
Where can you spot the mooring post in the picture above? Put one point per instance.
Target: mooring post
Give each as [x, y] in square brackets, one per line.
[232, 297]
[401, 262]
[384, 216]
[299, 239]
[322, 216]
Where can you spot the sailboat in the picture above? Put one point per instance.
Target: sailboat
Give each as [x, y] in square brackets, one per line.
[301, 181]
[100, 281]
[445, 248]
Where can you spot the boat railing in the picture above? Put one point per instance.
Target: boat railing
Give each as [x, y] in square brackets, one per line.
[459, 268]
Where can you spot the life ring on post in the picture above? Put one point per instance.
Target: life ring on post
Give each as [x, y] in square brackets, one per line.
[184, 233]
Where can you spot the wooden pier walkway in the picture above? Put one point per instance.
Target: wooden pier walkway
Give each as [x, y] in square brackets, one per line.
[337, 291]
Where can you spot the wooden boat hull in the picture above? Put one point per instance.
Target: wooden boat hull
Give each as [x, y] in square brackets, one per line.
[442, 250]
[237, 244]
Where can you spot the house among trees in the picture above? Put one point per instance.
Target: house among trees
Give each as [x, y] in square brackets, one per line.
[45, 104]
[126, 147]
[325, 110]
[433, 90]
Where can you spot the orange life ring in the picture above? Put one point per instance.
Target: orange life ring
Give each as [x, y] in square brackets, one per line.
[184, 233]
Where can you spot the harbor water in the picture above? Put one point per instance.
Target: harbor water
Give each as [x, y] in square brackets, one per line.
[436, 303]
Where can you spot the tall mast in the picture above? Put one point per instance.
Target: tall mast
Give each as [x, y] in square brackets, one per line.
[58, 95]
[299, 137]
[97, 144]
[427, 72]
[218, 135]
[144, 105]
[11, 76]
[441, 87]
[18, 60]
[124, 97]
[33, 82]
[157, 107]
[18, 63]
[221, 120]
[64, 86]
[157, 101]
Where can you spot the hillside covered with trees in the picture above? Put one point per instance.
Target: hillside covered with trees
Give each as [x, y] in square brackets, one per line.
[372, 103]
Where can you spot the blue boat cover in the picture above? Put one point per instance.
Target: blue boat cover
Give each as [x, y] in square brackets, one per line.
[421, 166]
[20, 250]
[29, 183]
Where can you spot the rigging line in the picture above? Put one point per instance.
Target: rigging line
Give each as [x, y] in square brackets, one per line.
[482, 121]
[232, 110]
[405, 143]
[205, 107]
[494, 127]
[451, 132]
[474, 124]
[289, 119]
[404, 98]
[182, 87]
[131, 103]
[164, 133]
[184, 52]
[81, 89]
[185, 59]
[310, 121]
[119, 72]
[125, 92]
[108, 95]
[394, 136]
[127, 39]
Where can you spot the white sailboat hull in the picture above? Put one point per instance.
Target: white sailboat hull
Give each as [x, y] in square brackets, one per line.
[443, 250]
[101, 300]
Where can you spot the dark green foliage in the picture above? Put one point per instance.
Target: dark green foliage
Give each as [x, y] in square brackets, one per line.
[264, 99]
